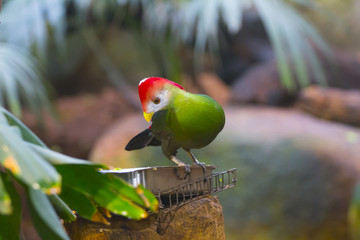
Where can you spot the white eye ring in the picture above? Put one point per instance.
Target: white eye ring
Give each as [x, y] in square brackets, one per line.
[157, 100]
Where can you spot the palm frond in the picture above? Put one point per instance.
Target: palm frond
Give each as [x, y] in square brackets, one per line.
[26, 23]
[291, 35]
[19, 77]
[187, 21]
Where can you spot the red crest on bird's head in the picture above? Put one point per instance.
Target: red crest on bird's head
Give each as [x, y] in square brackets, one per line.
[149, 87]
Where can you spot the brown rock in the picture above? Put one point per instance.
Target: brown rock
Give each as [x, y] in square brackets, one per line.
[344, 71]
[331, 104]
[296, 175]
[200, 220]
[262, 84]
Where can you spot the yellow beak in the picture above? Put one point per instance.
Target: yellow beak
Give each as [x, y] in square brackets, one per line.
[148, 116]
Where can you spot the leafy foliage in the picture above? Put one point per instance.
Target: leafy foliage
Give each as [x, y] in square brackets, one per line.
[292, 36]
[44, 217]
[5, 201]
[24, 163]
[180, 22]
[354, 214]
[10, 213]
[44, 174]
[32, 19]
[19, 76]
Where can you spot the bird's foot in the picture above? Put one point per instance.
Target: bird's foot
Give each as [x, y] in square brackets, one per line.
[196, 162]
[186, 166]
[201, 164]
[181, 164]
[187, 169]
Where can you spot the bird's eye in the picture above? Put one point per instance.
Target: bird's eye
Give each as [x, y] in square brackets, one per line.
[156, 100]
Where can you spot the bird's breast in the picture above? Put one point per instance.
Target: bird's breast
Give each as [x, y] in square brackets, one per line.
[195, 120]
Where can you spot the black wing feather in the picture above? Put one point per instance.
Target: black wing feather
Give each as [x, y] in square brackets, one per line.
[155, 142]
[143, 139]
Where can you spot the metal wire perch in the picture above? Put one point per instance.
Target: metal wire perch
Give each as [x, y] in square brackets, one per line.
[186, 193]
[174, 188]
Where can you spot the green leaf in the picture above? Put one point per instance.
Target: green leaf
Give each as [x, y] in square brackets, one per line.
[25, 164]
[20, 79]
[5, 200]
[39, 146]
[108, 191]
[10, 224]
[83, 206]
[9, 83]
[30, 19]
[354, 214]
[290, 35]
[149, 198]
[62, 210]
[26, 133]
[232, 11]
[275, 34]
[56, 158]
[44, 217]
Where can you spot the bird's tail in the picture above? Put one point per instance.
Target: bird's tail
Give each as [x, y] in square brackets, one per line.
[143, 139]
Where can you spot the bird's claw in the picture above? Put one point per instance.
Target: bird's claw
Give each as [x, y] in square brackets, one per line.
[203, 166]
[187, 169]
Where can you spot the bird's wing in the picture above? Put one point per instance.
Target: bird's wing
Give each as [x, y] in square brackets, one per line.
[143, 139]
[154, 142]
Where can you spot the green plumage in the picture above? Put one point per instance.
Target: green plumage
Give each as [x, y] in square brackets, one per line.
[181, 120]
[190, 121]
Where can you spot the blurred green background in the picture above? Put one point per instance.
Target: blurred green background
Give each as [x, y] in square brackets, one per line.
[286, 71]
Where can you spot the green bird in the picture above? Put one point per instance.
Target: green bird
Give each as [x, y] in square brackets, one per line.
[179, 119]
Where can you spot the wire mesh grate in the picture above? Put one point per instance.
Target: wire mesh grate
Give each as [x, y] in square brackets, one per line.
[192, 191]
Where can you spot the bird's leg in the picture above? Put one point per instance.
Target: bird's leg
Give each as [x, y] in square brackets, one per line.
[180, 163]
[193, 158]
[176, 160]
[195, 161]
